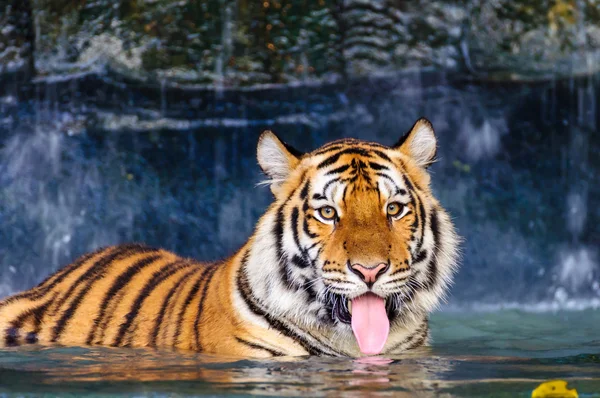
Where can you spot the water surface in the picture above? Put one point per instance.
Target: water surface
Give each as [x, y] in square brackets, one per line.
[505, 353]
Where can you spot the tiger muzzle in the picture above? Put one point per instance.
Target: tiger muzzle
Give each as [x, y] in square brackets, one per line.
[369, 274]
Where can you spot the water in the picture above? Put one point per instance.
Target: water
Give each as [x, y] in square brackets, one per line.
[126, 135]
[506, 353]
[95, 159]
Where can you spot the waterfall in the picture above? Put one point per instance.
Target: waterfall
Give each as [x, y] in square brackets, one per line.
[226, 46]
[163, 97]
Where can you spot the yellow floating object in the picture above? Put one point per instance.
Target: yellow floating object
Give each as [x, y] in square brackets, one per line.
[554, 389]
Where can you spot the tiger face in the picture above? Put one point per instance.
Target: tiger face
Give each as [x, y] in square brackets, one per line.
[359, 242]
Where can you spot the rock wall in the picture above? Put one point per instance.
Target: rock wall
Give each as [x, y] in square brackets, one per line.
[230, 43]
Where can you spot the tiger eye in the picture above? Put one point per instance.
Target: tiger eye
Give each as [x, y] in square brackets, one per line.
[327, 212]
[393, 209]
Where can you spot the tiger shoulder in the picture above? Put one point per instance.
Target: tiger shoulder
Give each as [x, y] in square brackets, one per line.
[349, 260]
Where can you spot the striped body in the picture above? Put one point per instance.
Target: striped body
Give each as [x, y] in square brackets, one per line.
[134, 296]
[289, 289]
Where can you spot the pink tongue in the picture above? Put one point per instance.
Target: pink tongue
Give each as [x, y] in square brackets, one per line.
[370, 323]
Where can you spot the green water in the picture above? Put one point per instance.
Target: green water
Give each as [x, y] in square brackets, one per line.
[506, 353]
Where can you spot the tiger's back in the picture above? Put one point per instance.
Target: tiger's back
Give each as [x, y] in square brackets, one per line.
[129, 295]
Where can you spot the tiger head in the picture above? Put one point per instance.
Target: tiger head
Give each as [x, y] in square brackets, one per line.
[355, 240]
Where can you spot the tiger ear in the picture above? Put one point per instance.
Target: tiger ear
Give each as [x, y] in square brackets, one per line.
[276, 158]
[419, 143]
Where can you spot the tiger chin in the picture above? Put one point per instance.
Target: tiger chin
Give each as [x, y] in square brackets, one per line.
[349, 260]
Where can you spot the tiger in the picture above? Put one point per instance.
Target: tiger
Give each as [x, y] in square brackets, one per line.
[349, 260]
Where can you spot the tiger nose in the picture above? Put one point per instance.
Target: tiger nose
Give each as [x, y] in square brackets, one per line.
[369, 274]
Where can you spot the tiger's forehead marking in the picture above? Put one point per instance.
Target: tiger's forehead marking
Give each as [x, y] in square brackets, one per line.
[330, 153]
[344, 166]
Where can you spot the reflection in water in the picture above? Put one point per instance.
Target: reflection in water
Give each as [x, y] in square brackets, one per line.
[185, 373]
[102, 370]
[473, 355]
[163, 371]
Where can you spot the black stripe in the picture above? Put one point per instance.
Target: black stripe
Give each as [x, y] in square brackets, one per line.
[13, 332]
[334, 158]
[11, 337]
[259, 347]
[309, 289]
[381, 155]
[377, 166]
[418, 342]
[300, 261]
[306, 230]
[422, 255]
[344, 143]
[305, 206]
[163, 309]
[399, 271]
[60, 275]
[188, 300]
[422, 217]
[405, 174]
[359, 166]
[17, 323]
[408, 183]
[211, 273]
[37, 313]
[95, 272]
[376, 145]
[410, 338]
[338, 170]
[305, 189]
[245, 292]
[120, 282]
[313, 245]
[421, 335]
[146, 290]
[66, 271]
[157, 278]
[31, 338]
[111, 254]
[355, 178]
[432, 269]
[397, 280]
[278, 230]
[332, 181]
[415, 224]
[294, 221]
[327, 149]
